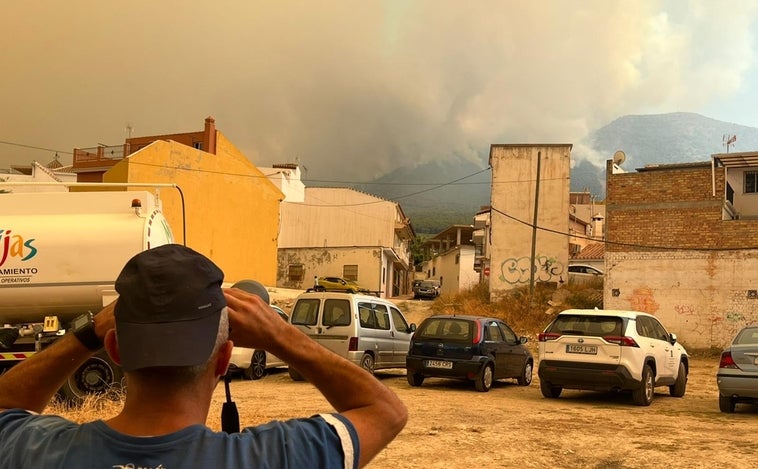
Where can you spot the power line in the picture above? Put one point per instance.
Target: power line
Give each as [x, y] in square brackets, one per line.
[35, 148]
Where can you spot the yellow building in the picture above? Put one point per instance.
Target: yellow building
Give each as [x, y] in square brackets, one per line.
[225, 207]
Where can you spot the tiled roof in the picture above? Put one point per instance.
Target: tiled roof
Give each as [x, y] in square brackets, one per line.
[592, 251]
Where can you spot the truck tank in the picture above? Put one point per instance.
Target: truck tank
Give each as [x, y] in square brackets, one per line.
[60, 252]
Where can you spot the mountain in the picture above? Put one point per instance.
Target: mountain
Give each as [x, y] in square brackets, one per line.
[679, 137]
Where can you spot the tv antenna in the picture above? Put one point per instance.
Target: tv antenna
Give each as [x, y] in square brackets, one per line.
[619, 157]
[129, 128]
[728, 140]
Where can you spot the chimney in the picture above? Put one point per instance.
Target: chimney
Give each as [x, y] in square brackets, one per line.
[210, 135]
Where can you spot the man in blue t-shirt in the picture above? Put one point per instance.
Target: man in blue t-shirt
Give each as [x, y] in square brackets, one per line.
[172, 330]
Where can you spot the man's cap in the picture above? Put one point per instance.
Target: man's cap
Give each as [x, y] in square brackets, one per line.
[254, 287]
[168, 309]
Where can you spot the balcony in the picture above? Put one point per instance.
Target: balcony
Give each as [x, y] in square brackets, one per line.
[99, 158]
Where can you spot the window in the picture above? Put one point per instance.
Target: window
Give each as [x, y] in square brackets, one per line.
[751, 182]
[400, 323]
[295, 272]
[198, 145]
[382, 317]
[457, 258]
[493, 333]
[336, 313]
[305, 312]
[350, 272]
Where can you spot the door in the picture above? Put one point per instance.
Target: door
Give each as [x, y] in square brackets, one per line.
[401, 337]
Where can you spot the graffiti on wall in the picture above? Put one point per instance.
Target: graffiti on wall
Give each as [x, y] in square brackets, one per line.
[519, 270]
[643, 299]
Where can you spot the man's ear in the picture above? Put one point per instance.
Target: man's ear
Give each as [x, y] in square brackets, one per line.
[223, 358]
[111, 346]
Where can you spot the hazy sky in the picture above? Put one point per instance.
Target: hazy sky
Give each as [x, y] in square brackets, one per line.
[355, 88]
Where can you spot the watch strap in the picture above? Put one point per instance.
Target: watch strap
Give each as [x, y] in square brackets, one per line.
[86, 333]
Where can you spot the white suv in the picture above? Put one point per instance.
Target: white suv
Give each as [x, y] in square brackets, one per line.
[604, 350]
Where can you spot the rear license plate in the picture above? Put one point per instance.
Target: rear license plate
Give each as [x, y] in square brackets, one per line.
[439, 364]
[580, 348]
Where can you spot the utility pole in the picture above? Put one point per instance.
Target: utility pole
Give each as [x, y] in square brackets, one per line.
[534, 229]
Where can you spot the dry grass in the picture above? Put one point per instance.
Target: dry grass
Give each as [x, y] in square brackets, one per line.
[526, 316]
[93, 407]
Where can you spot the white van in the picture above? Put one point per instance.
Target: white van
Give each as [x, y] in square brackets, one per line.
[369, 331]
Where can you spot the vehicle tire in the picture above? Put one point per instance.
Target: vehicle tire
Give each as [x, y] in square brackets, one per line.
[550, 391]
[680, 385]
[295, 375]
[644, 394]
[525, 378]
[98, 375]
[726, 404]
[257, 367]
[415, 379]
[483, 382]
[367, 362]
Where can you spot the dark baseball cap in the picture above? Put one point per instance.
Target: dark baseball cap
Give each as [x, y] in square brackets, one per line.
[168, 309]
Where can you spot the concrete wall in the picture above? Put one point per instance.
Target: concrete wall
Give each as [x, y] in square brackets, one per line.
[705, 298]
[671, 254]
[338, 217]
[329, 262]
[514, 184]
[231, 209]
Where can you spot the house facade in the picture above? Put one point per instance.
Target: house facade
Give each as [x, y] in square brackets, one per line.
[452, 256]
[224, 206]
[528, 215]
[341, 232]
[682, 243]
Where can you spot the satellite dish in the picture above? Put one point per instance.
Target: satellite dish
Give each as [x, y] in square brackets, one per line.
[619, 157]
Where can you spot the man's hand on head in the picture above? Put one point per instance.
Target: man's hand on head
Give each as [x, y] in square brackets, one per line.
[252, 322]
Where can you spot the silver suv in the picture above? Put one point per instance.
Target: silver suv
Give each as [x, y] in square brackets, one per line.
[604, 350]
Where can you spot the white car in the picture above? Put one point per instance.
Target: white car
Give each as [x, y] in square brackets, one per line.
[583, 273]
[254, 363]
[604, 350]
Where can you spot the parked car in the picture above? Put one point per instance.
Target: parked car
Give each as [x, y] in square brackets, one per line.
[605, 350]
[338, 284]
[583, 273]
[369, 331]
[737, 377]
[254, 363]
[472, 348]
[426, 289]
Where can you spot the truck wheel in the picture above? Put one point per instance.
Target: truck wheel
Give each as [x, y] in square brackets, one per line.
[98, 375]
[726, 404]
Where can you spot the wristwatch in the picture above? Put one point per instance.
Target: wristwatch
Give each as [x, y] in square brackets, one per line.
[83, 327]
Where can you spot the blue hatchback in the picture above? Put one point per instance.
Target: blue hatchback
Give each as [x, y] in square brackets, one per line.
[472, 348]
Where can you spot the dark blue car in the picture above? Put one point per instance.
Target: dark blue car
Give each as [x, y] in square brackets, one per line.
[472, 348]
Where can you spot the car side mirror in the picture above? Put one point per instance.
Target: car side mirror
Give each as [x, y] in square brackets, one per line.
[672, 338]
[522, 340]
[413, 327]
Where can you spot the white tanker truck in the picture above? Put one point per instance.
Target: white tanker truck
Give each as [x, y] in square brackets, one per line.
[60, 253]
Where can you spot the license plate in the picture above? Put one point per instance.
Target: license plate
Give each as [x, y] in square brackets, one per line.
[580, 348]
[439, 364]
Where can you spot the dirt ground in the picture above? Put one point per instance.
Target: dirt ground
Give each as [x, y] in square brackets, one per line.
[452, 426]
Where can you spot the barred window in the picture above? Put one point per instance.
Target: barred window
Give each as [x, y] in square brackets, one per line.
[295, 272]
[350, 272]
[751, 182]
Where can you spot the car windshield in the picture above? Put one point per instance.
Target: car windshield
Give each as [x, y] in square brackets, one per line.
[446, 329]
[427, 284]
[599, 326]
